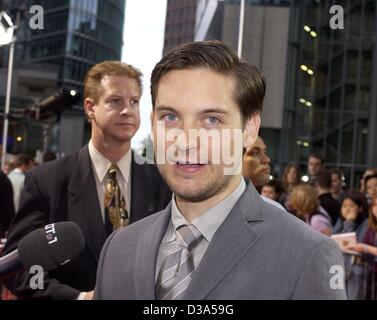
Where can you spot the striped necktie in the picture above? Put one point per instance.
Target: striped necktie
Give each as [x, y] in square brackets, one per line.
[115, 204]
[178, 268]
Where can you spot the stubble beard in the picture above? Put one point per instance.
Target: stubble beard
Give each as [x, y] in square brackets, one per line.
[204, 188]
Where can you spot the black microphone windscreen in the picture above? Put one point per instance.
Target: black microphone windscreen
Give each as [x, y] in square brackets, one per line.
[51, 246]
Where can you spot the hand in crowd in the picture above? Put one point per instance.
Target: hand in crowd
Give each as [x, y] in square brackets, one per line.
[89, 295]
[362, 248]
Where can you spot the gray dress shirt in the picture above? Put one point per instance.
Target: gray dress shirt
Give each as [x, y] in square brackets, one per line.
[207, 224]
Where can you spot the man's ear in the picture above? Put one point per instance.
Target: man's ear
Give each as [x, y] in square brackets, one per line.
[251, 130]
[152, 118]
[89, 107]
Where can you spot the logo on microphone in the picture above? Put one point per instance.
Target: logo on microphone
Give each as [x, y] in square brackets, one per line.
[50, 233]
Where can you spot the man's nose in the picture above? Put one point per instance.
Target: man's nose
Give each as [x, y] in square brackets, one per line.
[126, 108]
[186, 141]
[265, 158]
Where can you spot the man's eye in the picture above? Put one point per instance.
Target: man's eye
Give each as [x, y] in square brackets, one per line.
[170, 117]
[212, 120]
[115, 102]
[135, 102]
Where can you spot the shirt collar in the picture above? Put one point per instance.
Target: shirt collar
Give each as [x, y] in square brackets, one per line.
[101, 164]
[211, 220]
[18, 171]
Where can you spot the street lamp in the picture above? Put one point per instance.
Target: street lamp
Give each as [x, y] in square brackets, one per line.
[6, 28]
[7, 37]
[240, 28]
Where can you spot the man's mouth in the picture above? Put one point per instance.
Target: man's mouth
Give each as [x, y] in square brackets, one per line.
[183, 162]
[124, 124]
[189, 167]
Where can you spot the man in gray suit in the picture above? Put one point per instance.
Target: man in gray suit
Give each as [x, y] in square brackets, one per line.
[217, 239]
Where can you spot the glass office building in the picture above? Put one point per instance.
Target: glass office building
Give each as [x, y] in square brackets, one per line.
[180, 23]
[331, 86]
[76, 35]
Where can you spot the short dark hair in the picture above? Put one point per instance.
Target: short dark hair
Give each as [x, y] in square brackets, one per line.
[276, 184]
[323, 179]
[23, 159]
[250, 85]
[317, 156]
[338, 172]
[368, 177]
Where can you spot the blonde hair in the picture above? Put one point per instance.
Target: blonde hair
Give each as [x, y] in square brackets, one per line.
[304, 200]
[96, 73]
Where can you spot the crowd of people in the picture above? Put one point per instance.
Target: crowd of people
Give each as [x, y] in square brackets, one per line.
[322, 200]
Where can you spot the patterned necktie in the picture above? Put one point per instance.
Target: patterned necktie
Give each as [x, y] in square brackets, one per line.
[115, 204]
[178, 268]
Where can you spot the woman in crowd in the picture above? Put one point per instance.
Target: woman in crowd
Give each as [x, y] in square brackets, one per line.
[353, 215]
[305, 205]
[371, 186]
[291, 177]
[353, 218]
[368, 250]
[367, 172]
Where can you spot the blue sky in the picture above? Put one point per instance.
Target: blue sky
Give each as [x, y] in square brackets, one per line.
[143, 43]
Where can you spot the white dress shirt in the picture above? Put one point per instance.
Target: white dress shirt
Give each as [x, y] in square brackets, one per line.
[101, 165]
[17, 178]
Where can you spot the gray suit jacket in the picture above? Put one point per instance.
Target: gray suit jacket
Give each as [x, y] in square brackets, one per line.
[259, 252]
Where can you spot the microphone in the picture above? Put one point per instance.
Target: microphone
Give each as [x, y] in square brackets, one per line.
[49, 247]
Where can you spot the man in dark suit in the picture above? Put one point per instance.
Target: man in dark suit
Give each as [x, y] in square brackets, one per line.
[217, 239]
[6, 204]
[326, 200]
[102, 187]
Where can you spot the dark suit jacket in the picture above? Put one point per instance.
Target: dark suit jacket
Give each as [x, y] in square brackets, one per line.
[331, 205]
[259, 252]
[65, 190]
[6, 203]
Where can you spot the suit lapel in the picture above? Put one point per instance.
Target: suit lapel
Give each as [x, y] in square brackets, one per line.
[84, 205]
[146, 256]
[230, 243]
[142, 191]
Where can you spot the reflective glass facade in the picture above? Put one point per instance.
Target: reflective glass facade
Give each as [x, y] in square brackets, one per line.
[330, 104]
[180, 23]
[76, 35]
